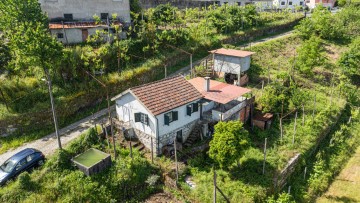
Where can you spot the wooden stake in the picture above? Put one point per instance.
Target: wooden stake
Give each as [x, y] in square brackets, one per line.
[281, 129]
[152, 150]
[289, 189]
[293, 140]
[268, 75]
[214, 198]
[264, 156]
[107, 137]
[176, 167]
[262, 87]
[314, 110]
[165, 71]
[303, 115]
[305, 173]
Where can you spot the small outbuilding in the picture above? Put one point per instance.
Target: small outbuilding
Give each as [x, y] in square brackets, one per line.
[232, 64]
[263, 120]
[92, 161]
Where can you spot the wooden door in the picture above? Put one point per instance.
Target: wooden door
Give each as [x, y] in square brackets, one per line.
[85, 34]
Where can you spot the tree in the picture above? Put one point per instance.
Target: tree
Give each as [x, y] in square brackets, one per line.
[275, 98]
[309, 55]
[350, 60]
[229, 143]
[5, 56]
[25, 26]
[322, 23]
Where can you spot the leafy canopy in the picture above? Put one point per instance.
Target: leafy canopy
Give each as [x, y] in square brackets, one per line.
[25, 26]
[229, 143]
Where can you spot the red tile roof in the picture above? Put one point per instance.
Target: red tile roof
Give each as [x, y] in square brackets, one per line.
[68, 25]
[232, 52]
[219, 92]
[164, 95]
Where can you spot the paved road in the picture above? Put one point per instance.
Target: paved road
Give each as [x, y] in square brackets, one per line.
[48, 144]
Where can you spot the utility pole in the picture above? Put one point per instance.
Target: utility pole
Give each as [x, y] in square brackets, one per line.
[176, 166]
[109, 111]
[191, 62]
[48, 80]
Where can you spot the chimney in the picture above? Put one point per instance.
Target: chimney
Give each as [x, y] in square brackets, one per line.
[207, 84]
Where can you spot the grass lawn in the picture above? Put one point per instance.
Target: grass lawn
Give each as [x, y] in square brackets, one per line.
[346, 186]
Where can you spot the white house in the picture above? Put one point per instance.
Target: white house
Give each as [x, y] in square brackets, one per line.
[160, 111]
[291, 4]
[326, 3]
[72, 20]
[232, 64]
[169, 109]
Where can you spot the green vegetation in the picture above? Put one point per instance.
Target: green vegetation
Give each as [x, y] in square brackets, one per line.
[24, 100]
[59, 181]
[322, 89]
[229, 143]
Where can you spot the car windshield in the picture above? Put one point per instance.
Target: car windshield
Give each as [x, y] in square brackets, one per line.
[8, 166]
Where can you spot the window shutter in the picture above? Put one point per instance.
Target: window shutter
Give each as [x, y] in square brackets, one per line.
[175, 115]
[166, 119]
[195, 107]
[188, 110]
[146, 119]
[137, 117]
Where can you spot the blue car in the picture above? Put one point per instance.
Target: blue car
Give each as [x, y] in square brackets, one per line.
[24, 160]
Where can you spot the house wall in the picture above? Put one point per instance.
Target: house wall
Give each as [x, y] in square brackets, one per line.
[295, 3]
[186, 123]
[86, 9]
[326, 3]
[208, 107]
[230, 64]
[73, 35]
[126, 107]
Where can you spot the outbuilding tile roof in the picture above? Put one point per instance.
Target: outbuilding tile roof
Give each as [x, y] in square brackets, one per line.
[219, 92]
[232, 52]
[163, 95]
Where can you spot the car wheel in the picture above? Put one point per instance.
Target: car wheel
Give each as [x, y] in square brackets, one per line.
[40, 162]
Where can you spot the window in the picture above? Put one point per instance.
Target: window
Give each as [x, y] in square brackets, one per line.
[283, 3]
[20, 164]
[191, 108]
[290, 3]
[142, 118]
[301, 3]
[68, 16]
[30, 157]
[170, 117]
[104, 16]
[60, 35]
[239, 3]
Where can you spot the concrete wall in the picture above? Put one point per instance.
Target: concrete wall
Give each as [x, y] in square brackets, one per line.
[230, 64]
[73, 35]
[86, 9]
